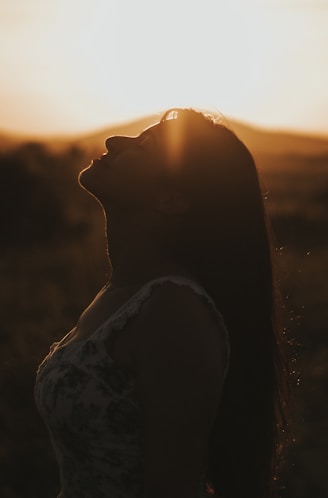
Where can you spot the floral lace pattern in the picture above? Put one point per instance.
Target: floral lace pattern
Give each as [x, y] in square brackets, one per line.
[92, 411]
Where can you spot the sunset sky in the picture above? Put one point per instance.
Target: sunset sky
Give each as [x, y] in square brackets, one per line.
[77, 65]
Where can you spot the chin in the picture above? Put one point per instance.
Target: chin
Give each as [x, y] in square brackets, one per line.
[88, 182]
[83, 177]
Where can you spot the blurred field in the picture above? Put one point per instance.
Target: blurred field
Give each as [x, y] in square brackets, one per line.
[53, 262]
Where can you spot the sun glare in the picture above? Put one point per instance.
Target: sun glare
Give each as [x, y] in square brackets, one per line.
[87, 64]
[177, 54]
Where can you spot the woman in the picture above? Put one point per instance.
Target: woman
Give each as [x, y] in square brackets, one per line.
[153, 393]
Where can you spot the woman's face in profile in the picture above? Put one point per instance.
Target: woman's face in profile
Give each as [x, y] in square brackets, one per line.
[131, 172]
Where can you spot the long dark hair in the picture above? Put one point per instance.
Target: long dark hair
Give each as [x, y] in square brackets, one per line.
[224, 241]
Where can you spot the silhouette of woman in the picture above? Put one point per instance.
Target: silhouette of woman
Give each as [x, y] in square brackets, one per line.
[173, 384]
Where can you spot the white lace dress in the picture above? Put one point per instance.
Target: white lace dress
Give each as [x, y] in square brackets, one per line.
[92, 411]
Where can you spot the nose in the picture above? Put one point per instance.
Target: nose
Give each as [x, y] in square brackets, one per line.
[116, 143]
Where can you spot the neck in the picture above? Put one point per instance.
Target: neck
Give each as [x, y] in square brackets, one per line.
[135, 258]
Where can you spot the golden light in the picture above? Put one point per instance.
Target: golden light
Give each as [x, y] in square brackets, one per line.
[74, 65]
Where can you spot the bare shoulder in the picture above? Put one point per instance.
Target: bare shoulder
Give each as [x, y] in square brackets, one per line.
[176, 316]
[171, 297]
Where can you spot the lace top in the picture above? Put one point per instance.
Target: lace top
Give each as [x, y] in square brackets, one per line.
[92, 411]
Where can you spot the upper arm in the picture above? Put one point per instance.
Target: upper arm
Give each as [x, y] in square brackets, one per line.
[179, 365]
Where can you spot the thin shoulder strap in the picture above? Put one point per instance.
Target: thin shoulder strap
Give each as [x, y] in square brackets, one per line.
[133, 305]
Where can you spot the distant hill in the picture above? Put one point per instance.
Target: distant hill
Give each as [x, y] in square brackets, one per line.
[260, 141]
[8, 140]
[263, 141]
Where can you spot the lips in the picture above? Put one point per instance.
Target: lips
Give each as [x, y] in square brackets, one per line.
[99, 159]
[104, 160]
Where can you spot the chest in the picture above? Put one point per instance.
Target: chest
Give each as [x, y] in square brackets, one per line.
[89, 404]
[120, 343]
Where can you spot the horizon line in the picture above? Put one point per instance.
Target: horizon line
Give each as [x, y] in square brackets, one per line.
[74, 135]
